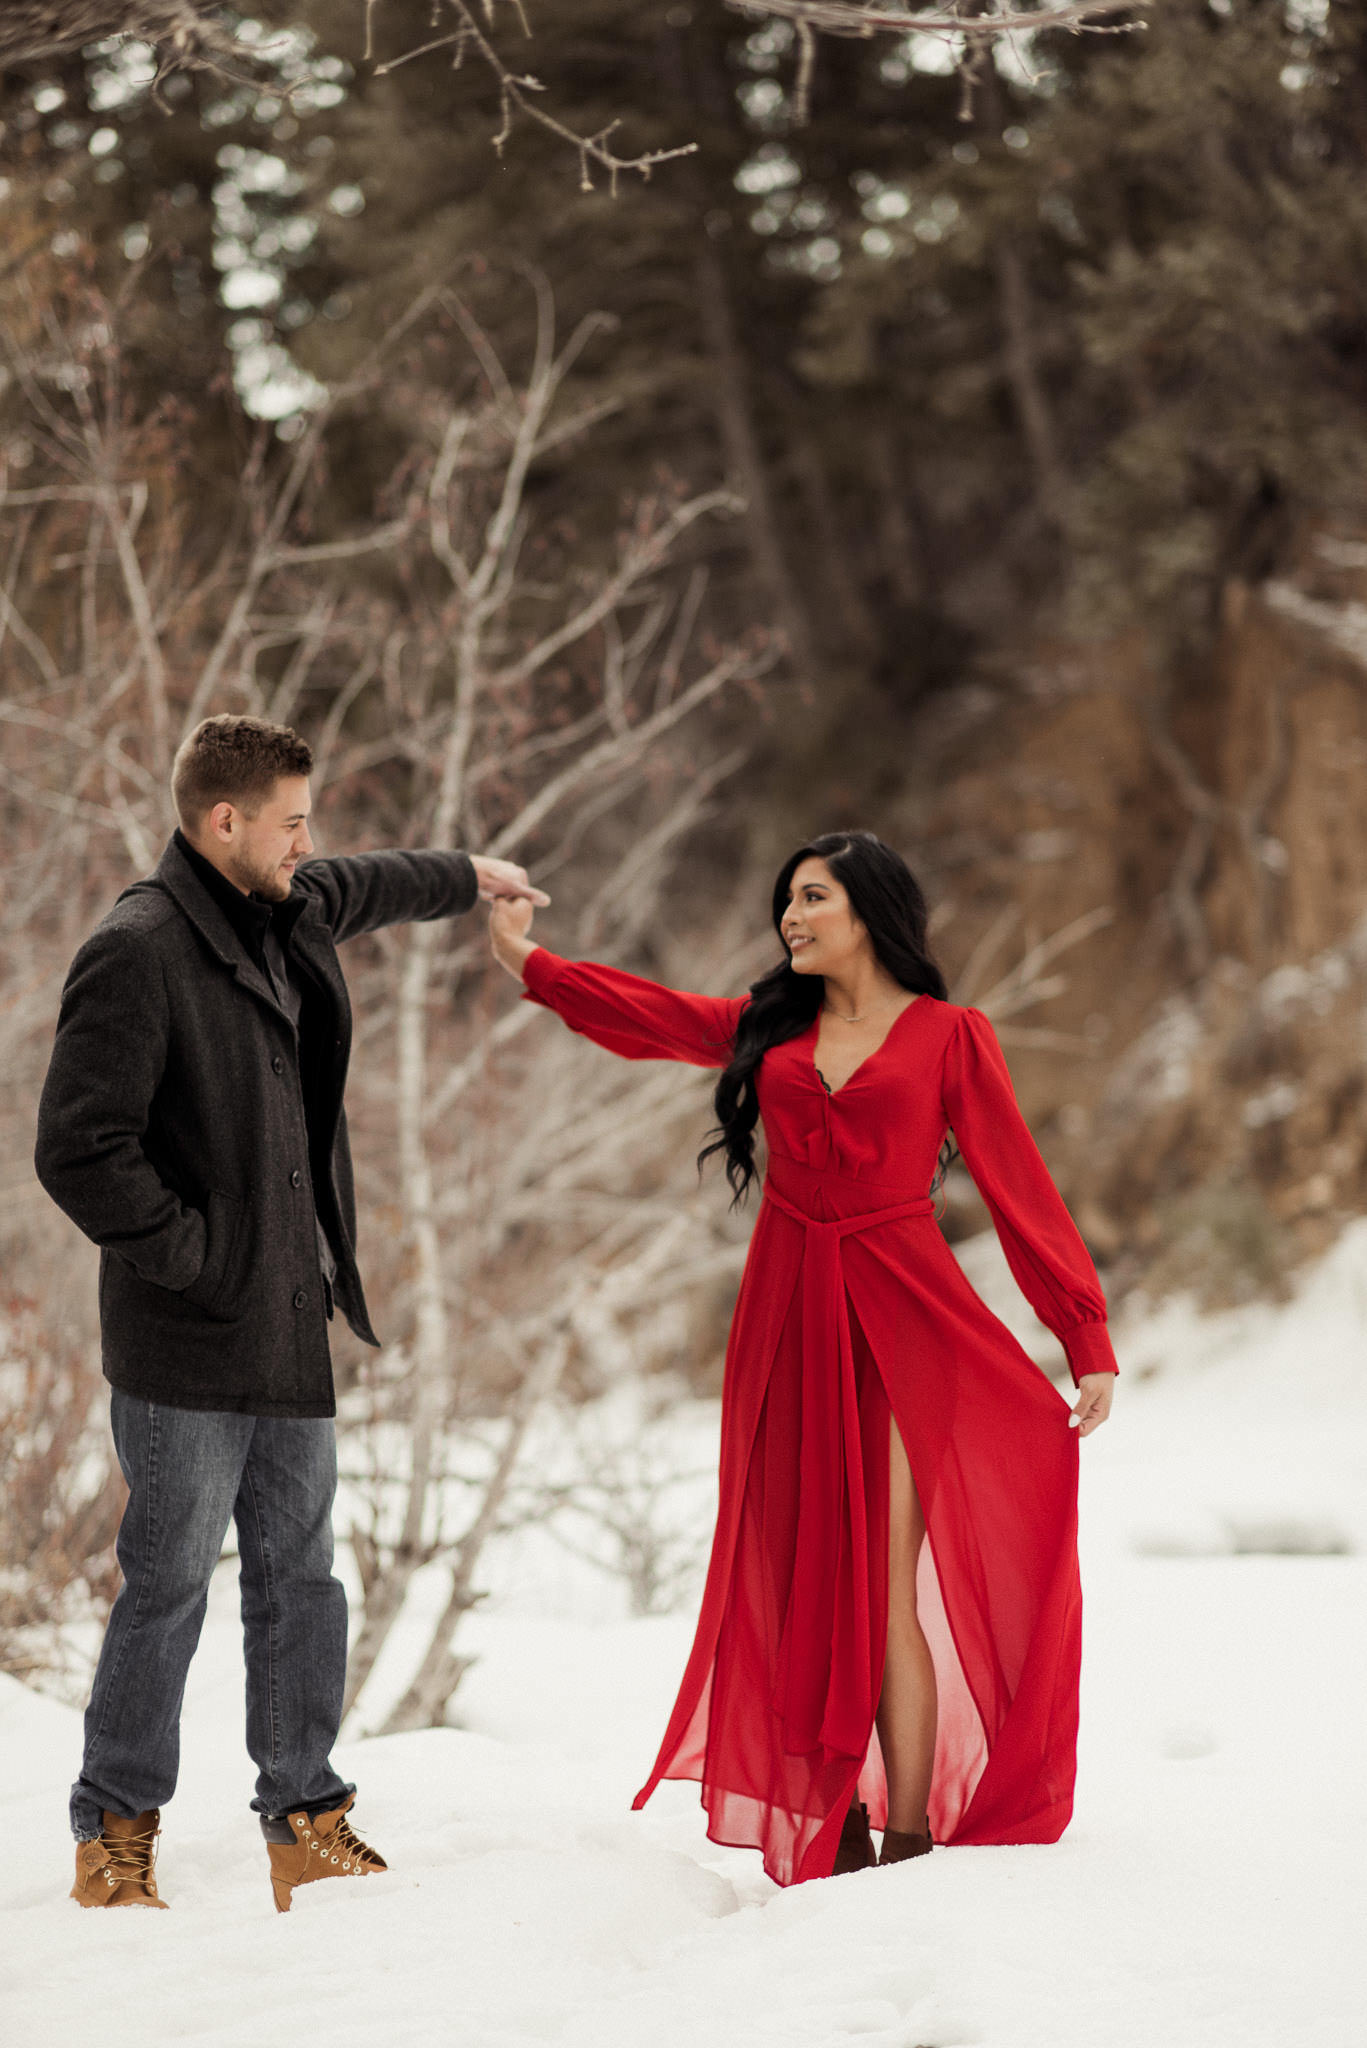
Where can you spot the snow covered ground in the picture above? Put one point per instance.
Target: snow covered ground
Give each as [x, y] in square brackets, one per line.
[1209, 1894]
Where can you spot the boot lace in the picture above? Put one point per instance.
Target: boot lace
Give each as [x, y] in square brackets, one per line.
[131, 1859]
[342, 1840]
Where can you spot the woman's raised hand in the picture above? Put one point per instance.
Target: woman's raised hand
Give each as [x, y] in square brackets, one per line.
[510, 920]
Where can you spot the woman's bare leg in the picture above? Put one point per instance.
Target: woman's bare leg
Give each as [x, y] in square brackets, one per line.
[907, 1709]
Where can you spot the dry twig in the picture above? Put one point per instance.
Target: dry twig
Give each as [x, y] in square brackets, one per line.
[182, 35]
[515, 90]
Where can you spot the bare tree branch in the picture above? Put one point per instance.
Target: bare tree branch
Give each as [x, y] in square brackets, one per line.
[455, 1207]
[515, 91]
[854, 18]
[970, 32]
[183, 35]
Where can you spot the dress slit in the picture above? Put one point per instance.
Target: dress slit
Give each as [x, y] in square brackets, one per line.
[961, 1749]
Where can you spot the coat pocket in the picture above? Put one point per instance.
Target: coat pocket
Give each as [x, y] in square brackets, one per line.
[217, 1287]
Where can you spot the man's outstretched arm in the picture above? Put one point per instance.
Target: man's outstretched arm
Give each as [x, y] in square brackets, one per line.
[360, 892]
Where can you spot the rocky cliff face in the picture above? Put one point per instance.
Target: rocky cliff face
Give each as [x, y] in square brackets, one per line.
[1160, 892]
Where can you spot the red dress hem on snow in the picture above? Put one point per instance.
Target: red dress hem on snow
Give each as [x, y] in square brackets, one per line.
[853, 1315]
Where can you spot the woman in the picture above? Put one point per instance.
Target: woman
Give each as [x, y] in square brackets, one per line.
[890, 1628]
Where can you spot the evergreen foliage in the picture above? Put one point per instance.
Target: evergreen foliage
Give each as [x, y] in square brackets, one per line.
[1069, 365]
[1096, 350]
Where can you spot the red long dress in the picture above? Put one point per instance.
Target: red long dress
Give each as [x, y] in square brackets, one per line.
[852, 1311]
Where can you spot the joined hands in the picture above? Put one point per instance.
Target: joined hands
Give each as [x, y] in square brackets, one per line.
[510, 920]
[504, 878]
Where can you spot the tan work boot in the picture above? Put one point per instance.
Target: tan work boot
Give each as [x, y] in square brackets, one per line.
[116, 1868]
[322, 1845]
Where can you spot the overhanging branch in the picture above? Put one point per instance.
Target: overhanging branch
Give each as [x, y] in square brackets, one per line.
[183, 35]
[970, 26]
[516, 90]
[852, 18]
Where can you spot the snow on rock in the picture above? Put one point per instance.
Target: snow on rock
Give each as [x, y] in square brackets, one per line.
[1208, 1895]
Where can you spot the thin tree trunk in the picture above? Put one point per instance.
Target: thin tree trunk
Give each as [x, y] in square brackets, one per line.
[855, 613]
[743, 457]
[1017, 322]
[1204, 809]
[385, 1596]
[1027, 391]
[384, 1599]
[902, 558]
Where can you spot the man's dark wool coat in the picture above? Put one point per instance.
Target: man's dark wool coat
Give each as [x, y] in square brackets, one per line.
[172, 1129]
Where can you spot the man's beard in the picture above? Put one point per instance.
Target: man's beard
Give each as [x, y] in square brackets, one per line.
[260, 880]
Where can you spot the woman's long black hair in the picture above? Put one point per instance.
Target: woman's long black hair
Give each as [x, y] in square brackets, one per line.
[886, 898]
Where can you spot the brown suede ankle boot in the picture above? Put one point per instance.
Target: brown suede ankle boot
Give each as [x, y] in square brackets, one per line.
[116, 1868]
[897, 1847]
[856, 1843]
[321, 1845]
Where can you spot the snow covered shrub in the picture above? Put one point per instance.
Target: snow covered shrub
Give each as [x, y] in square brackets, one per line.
[628, 1482]
[61, 1495]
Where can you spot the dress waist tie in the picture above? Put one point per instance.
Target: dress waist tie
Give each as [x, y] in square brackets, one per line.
[824, 1663]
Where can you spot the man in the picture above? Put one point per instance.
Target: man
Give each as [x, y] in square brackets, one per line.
[192, 1125]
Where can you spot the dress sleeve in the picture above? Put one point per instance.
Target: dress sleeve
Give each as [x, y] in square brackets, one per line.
[635, 1018]
[1048, 1258]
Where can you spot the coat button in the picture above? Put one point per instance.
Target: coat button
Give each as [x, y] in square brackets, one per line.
[301, 1299]
[295, 1178]
[277, 1065]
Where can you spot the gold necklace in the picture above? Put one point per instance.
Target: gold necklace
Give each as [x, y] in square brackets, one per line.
[860, 1017]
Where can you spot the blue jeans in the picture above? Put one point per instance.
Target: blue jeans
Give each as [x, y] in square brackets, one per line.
[189, 1473]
